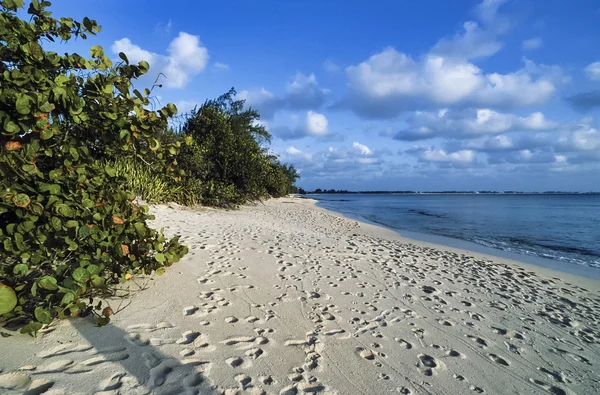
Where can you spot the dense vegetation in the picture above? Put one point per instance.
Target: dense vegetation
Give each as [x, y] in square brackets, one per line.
[78, 143]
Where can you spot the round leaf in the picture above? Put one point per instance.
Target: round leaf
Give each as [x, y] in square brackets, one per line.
[21, 200]
[42, 315]
[8, 299]
[23, 105]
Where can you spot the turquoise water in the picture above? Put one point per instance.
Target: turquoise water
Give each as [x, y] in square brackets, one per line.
[562, 228]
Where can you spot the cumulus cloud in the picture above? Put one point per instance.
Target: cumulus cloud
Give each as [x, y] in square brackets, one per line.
[185, 58]
[357, 160]
[439, 155]
[302, 93]
[593, 71]
[391, 82]
[312, 124]
[298, 156]
[525, 156]
[532, 43]
[316, 124]
[584, 138]
[474, 42]
[361, 148]
[469, 124]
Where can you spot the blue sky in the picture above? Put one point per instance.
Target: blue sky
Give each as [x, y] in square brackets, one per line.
[386, 95]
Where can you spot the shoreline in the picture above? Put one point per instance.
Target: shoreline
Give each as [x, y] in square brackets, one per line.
[549, 270]
[468, 247]
[284, 297]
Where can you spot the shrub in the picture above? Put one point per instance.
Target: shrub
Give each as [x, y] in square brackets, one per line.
[68, 231]
[225, 154]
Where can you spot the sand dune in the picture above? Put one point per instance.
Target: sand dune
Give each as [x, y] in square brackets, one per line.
[287, 298]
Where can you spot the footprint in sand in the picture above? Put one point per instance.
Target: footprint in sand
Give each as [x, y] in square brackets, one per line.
[406, 345]
[236, 340]
[480, 342]
[188, 337]
[189, 310]
[235, 361]
[428, 364]
[551, 388]
[498, 360]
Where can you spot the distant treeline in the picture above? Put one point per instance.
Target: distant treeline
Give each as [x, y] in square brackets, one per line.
[345, 191]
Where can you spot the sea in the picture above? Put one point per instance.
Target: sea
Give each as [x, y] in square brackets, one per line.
[557, 231]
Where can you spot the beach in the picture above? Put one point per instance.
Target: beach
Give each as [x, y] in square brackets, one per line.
[283, 297]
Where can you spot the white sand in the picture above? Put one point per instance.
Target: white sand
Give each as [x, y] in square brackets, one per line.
[287, 298]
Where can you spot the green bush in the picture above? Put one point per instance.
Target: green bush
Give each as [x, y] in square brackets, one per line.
[68, 231]
[225, 154]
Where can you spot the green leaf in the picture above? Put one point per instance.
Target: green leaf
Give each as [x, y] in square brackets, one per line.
[8, 299]
[20, 269]
[82, 275]
[42, 315]
[124, 57]
[52, 189]
[46, 107]
[48, 282]
[30, 169]
[110, 171]
[32, 327]
[21, 200]
[96, 51]
[144, 66]
[23, 104]
[46, 134]
[160, 271]
[74, 153]
[68, 298]
[160, 258]
[98, 282]
[93, 269]
[84, 232]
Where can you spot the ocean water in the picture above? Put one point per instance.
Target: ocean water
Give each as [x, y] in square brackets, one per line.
[561, 228]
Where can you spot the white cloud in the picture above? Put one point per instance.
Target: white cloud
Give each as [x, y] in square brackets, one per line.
[357, 160]
[221, 66]
[309, 124]
[532, 43]
[462, 156]
[186, 58]
[295, 154]
[470, 124]
[316, 124]
[361, 148]
[134, 53]
[593, 71]
[473, 43]
[391, 82]
[585, 138]
[302, 93]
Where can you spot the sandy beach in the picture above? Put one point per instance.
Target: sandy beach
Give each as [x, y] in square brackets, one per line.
[288, 298]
